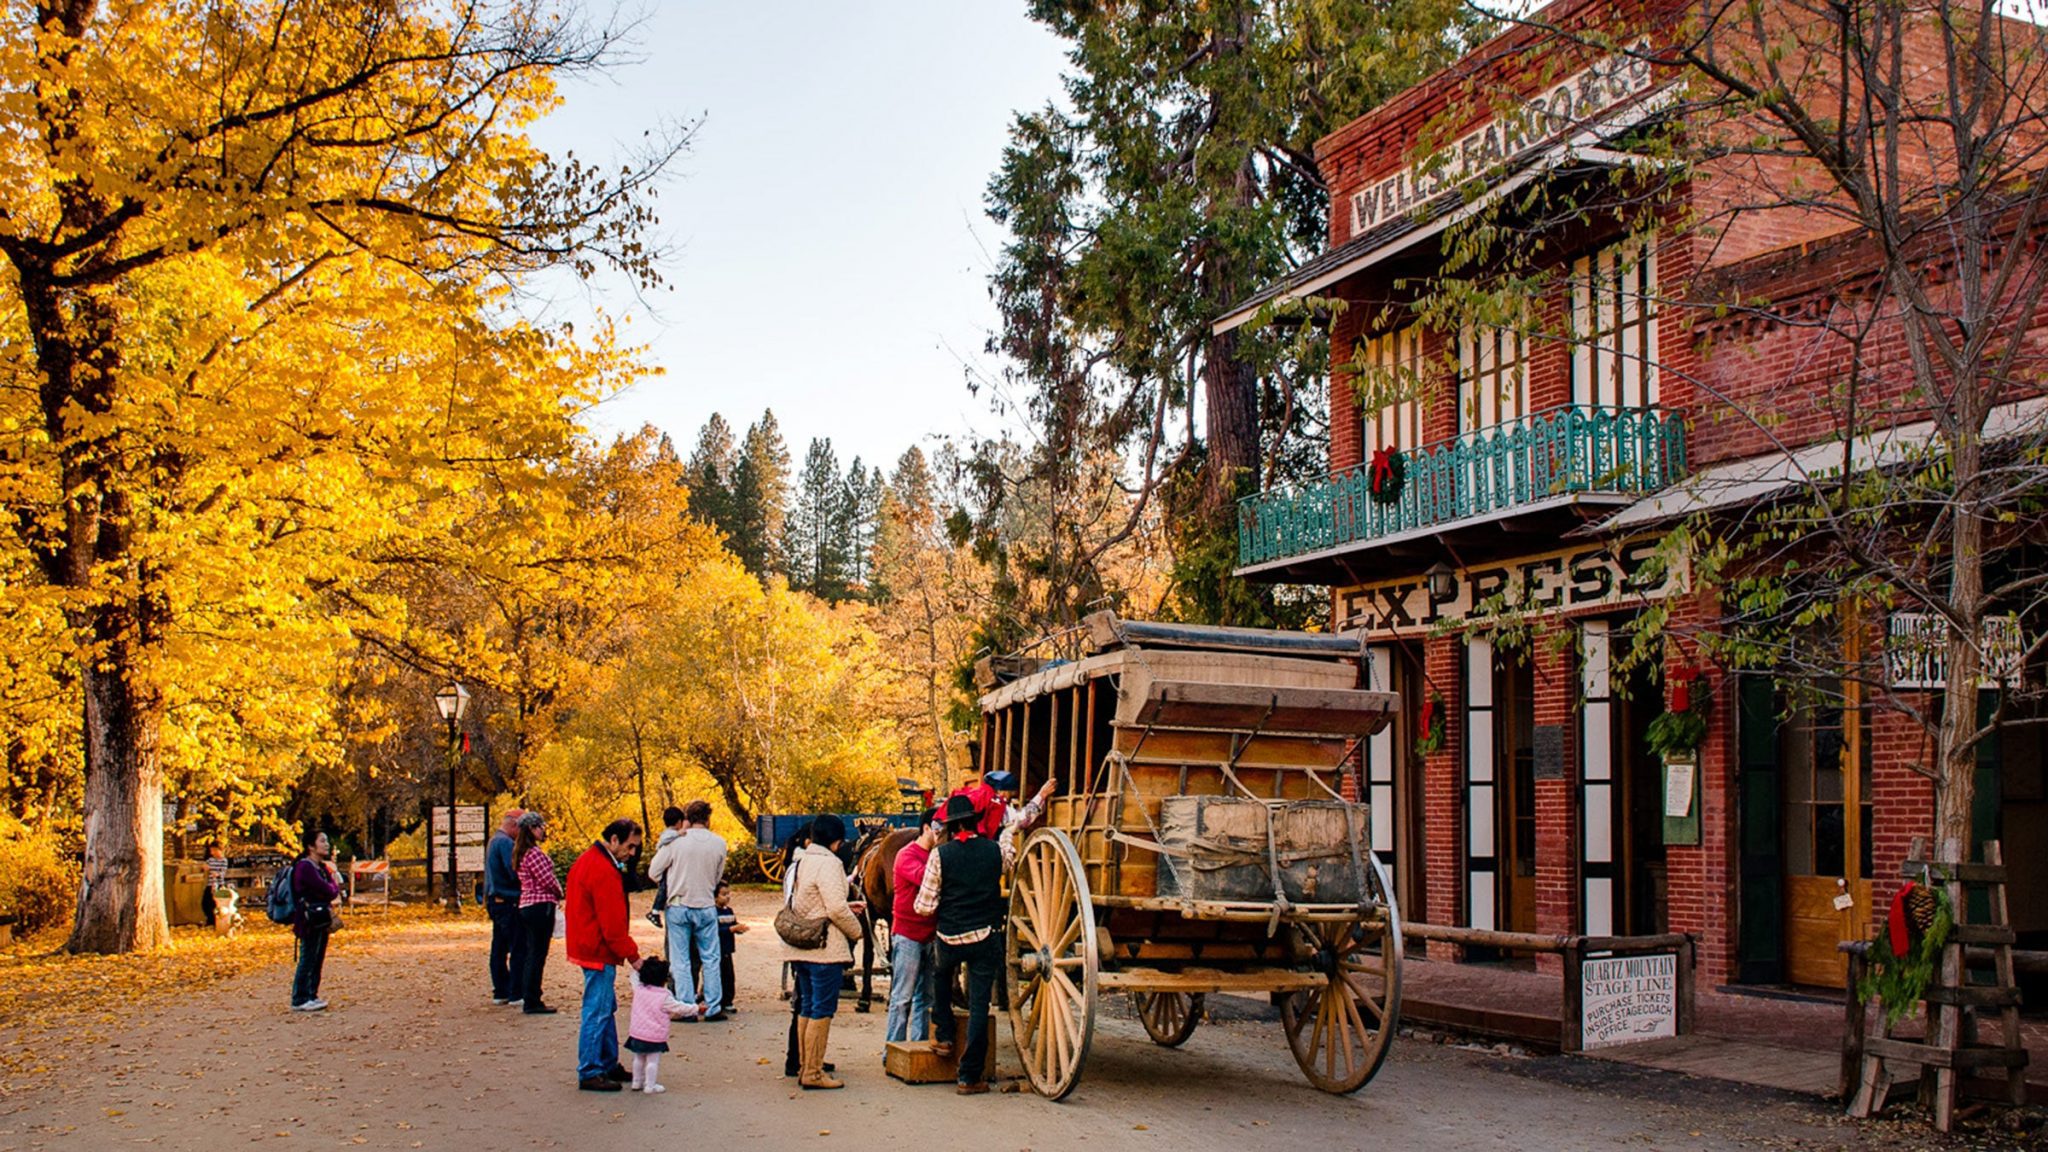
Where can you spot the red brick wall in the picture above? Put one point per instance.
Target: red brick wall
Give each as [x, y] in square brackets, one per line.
[1555, 672]
[1443, 800]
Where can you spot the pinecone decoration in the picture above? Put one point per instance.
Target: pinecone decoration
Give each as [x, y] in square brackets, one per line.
[1920, 908]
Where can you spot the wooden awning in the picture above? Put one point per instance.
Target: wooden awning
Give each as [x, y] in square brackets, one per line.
[1260, 707]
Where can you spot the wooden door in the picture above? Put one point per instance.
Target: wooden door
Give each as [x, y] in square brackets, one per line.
[1825, 768]
[1515, 767]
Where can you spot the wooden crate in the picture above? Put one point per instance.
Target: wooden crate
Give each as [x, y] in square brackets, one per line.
[1317, 865]
[1220, 848]
[914, 1062]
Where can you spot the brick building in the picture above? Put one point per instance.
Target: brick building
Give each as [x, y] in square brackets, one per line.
[1542, 465]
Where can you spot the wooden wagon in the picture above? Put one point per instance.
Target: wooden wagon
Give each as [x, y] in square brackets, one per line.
[1198, 843]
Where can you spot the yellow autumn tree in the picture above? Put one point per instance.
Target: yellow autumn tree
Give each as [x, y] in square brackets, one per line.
[254, 333]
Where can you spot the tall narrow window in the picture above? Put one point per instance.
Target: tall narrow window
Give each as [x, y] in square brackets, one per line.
[1391, 390]
[1493, 368]
[1614, 325]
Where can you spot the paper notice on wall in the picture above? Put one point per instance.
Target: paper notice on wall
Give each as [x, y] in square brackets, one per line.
[1678, 775]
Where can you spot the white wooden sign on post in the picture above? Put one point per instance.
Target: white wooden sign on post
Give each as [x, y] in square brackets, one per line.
[1624, 999]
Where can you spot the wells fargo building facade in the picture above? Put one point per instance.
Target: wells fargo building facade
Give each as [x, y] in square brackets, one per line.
[1544, 473]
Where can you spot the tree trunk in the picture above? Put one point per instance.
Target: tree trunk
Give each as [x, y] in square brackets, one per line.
[121, 898]
[1956, 792]
[1231, 390]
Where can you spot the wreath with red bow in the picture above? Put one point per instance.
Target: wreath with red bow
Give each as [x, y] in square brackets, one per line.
[1431, 726]
[1389, 473]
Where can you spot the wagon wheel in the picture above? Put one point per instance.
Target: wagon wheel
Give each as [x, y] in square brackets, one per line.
[1169, 1017]
[1052, 963]
[774, 862]
[1340, 1031]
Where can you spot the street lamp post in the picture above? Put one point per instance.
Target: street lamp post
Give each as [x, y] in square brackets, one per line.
[452, 703]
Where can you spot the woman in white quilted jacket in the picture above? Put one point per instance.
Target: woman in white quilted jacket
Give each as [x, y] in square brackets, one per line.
[817, 891]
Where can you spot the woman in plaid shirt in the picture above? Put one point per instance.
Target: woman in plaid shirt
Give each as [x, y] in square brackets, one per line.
[540, 889]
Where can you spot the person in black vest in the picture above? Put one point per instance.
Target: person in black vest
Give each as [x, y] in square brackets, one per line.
[963, 888]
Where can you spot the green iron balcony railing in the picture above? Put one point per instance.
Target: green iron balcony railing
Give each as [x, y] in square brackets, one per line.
[1560, 451]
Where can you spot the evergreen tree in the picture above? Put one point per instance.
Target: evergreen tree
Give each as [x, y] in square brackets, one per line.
[818, 524]
[710, 476]
[760, 498]
[1176, 177]
[863, 514]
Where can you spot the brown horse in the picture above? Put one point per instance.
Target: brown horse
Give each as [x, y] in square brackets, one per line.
[874, 873]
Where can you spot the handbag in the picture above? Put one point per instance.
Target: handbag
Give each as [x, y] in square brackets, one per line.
[796, 930]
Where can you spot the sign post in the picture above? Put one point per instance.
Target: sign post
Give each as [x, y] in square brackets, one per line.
[465, 848]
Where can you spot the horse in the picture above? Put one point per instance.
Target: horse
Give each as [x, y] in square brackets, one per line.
[874, 873]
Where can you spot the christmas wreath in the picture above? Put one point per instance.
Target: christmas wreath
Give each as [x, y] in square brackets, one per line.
[1431, 725]
[1389, 473]
[1904, 957]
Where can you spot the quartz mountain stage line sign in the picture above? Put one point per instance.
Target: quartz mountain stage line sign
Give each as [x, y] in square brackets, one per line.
[1590, 576]
[1570, 101]
[1628, 998]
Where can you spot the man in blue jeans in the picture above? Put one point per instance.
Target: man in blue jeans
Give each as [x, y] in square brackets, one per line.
[598, 941]
[501, 900]
[691, 865]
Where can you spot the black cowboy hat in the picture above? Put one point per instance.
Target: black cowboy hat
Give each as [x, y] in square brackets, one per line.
[961, 810]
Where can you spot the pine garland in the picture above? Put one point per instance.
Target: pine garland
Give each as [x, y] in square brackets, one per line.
[1901, 982]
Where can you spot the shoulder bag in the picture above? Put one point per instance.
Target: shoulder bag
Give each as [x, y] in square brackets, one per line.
[798, 931]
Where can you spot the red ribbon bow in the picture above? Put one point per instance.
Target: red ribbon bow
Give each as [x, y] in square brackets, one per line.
[1382, 467]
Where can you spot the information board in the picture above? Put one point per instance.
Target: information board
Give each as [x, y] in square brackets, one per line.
[1624, 999]
[471, 828]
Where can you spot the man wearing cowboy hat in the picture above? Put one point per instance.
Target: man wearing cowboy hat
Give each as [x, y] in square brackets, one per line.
[963, 888]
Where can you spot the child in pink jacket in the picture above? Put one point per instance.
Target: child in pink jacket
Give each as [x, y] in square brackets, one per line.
[654, 1007]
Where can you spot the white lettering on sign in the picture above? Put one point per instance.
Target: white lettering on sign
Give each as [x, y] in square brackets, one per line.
[1592, 576]
[1916, 651]
[1572, 100]
[1623, 999]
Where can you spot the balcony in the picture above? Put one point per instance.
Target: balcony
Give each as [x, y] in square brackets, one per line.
[1559, 460]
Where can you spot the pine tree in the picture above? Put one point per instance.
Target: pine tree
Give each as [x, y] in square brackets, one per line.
[817, 525]
[710, 476]
[864, 490]
[760, 498]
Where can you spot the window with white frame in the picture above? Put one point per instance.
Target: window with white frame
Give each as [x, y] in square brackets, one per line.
[1391, 390]
[1493, 371]
[1614, 325]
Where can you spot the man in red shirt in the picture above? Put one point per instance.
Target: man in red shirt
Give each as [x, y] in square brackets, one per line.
[911, 936]
[598, 941]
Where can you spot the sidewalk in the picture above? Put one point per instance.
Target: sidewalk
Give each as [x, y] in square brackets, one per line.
[1773, 1040]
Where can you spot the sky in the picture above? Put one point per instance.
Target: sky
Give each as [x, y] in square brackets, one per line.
[830, 249]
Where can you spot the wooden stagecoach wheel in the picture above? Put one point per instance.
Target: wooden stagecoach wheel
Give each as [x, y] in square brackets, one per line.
[1169, 1017]
[774, 862]
[1052, 962]
[1340, 1032]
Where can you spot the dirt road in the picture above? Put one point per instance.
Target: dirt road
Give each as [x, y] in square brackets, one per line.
[414, 1055]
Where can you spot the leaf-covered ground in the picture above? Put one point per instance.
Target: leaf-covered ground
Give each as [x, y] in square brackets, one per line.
[56, 1008]
[177, 1052]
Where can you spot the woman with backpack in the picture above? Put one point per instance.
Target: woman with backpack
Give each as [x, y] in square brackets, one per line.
[315, 885]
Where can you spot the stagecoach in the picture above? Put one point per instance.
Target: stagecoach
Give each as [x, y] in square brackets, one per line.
[1199, 842]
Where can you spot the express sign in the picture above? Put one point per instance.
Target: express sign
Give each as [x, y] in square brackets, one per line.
[1594, 576]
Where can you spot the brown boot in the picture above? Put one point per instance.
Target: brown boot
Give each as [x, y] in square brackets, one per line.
[812, 1039]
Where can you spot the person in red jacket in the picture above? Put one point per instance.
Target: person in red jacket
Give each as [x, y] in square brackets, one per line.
[598, 941]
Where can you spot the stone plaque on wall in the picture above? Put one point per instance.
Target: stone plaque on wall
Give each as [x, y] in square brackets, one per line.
[1549, 749]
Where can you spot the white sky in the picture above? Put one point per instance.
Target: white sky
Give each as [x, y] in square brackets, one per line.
[831, 251]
